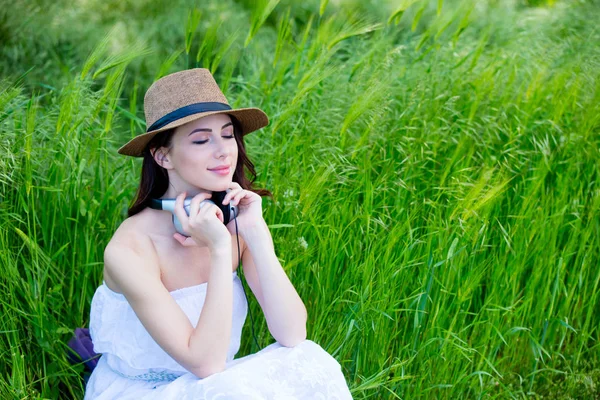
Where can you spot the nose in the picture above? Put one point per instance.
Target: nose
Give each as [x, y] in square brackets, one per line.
[223, 148]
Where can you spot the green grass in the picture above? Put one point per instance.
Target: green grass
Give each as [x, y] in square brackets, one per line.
[435, 166]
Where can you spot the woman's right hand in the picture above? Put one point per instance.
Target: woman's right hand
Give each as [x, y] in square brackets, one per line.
[204, 224]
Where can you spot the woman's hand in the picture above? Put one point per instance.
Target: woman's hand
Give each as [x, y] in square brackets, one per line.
[204, 223]
[249, 206]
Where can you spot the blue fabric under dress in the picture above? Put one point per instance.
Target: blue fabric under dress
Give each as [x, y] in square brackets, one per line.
[134, 366]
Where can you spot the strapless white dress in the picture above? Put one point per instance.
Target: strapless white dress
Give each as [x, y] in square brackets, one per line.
[134, 366]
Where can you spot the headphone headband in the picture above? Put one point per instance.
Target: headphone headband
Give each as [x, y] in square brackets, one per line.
[156, 204]
[229, 211]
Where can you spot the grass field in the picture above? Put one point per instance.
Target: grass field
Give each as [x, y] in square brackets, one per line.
[435, 167]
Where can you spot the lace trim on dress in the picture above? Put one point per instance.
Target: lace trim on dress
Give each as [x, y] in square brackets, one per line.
[160, 376]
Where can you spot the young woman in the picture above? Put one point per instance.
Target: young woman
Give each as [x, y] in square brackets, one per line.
[169, 313]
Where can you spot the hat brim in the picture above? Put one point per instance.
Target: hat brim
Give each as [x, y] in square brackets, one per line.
[251, 119]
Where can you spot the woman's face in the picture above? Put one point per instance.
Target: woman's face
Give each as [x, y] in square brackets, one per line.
[199, 146]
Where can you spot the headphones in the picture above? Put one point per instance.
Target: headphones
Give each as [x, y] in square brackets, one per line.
[230, 212]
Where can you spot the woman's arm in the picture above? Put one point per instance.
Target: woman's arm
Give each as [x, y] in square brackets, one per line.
[133, 265]
[210, 340]
[284, 310]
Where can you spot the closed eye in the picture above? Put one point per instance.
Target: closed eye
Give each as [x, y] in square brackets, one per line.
[204, 141]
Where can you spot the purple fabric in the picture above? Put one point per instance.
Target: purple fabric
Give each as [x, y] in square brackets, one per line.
[81, 344]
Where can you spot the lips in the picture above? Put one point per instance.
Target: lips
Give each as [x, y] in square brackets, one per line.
[222, 172]
[222, 167]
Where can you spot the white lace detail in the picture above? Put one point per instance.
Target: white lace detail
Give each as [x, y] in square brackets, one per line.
[160, 376]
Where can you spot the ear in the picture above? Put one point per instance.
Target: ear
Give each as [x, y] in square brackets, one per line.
[161, 157]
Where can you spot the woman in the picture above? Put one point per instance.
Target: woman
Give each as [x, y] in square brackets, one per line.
[169, 314]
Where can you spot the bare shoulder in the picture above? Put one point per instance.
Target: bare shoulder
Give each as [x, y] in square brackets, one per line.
[129, 243]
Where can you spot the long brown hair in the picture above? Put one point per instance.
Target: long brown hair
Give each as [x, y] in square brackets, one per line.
[155, 180]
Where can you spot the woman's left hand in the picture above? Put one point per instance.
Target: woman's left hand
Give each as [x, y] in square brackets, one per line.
[249, 206]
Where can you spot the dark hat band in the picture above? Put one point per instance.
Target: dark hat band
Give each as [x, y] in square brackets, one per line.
[188, 110]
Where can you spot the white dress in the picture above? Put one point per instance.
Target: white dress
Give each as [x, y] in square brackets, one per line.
[134, 366]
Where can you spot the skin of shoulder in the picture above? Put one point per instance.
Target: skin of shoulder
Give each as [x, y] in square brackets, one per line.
[131, 262]
[128, 238]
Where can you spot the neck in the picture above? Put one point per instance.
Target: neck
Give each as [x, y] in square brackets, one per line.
[190, 192]
[178, 185]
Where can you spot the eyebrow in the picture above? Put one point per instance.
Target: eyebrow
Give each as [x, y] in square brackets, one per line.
[208, 129]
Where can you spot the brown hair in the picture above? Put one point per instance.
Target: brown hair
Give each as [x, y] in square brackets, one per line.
[155, 180]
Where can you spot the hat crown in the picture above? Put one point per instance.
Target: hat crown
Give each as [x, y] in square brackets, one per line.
[185, 96]
[180, 89]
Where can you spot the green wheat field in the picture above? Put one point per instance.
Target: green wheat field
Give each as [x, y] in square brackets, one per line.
[435, 167]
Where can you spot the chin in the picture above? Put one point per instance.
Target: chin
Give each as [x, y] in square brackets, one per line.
[220, 186]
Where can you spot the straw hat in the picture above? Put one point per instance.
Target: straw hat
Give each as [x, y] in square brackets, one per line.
[184, 96]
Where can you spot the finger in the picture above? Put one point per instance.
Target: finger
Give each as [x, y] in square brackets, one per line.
[179, 210]
[238, 197]
[183, 240]
[195, 204]
[220, 214]
[211, 208]
[179, 237]
[229, 195]
[189, 242]
[233, 186]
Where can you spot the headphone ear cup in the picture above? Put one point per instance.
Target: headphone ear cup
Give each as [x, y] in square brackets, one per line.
[186, 206]
[204, 202]
[225, 208]
[170, 205]
[233, 212]
[226, 213]
[178, 226]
